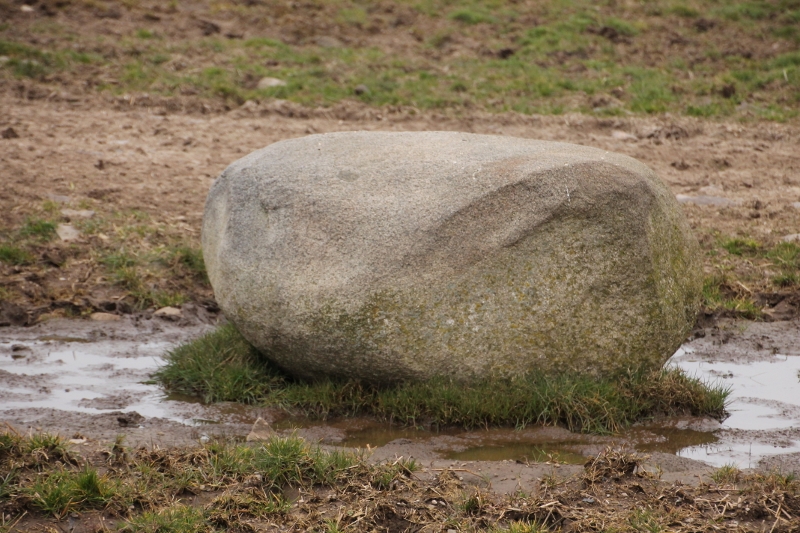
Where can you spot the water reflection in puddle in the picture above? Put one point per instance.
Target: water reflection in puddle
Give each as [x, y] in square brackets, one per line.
[519, 452]
[765, 397]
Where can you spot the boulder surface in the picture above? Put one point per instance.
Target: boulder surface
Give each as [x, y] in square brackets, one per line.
[402, 256]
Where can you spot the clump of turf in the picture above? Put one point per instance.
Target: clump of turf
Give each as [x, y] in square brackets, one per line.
[223, 366]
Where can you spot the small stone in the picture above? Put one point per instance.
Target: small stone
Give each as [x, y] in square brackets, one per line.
[60, 198]
[103, 317]
[68, 233]
[623, 136]
[326, 41]
[77, 441]
[266, 83]
[261, 430]
[9, 133]
[26, 9]
[711, 190]
[361, 89]
[705, 200]
[75, 213]
[782, 311]
[169, 313]
[12, 315]
[794, 237]
[130, 419]
[796, 205]
[208, 27]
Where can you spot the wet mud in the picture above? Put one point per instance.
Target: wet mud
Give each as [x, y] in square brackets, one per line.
[89, 380]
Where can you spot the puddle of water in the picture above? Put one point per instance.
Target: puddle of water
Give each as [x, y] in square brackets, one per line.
[554, 452]
[68, 372]
[382, 435]
[62, 338]
[765, 396]
[669, 440]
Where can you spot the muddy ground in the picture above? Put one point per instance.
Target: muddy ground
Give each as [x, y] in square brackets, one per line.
[89, 381]
[95, 153]
[139, 168]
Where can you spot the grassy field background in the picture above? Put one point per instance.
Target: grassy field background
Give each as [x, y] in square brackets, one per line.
[705, 58]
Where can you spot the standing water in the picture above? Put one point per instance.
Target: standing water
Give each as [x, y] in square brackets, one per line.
[84, 368]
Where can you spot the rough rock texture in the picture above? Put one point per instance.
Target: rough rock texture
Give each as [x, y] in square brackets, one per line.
[392, 256]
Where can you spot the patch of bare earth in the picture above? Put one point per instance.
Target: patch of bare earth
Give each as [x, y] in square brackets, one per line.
[131, 160]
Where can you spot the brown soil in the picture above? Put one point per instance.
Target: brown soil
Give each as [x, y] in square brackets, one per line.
[113, 158]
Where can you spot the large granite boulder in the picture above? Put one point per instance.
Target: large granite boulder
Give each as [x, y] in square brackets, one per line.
[401, 256]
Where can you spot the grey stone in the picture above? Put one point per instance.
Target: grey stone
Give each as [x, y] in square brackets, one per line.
[104, 317]
[169, 313]
[68, 233]
[401, 256]
[12, 315]
[326, 41]
[705, 200]
[59, 198]
[623, 136]
[794, 237]
[260, 431]
[77, 213]
[266, 83]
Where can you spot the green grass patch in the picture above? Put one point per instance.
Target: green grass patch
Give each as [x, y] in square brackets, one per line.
[727, 474]
[721, 293]
[174, 519]
[63, 491]
[553, 52]
[26, 61]
[471, 16]
[223, 366]
[151, 480]
[191, 259]
[43, 230]
[740, 246]
[14, 255]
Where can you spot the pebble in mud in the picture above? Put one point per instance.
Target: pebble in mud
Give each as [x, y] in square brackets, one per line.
[103, 317]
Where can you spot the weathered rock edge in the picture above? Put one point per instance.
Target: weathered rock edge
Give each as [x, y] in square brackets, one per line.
[402, 256]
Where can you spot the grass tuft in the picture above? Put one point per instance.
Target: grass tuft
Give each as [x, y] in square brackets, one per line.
[14, 255]
[174, 519]
[41, 229]
[223, 366]
[726, 474]
[739, 246]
